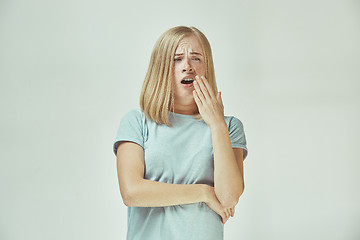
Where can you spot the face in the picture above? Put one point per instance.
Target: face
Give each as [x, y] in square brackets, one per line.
[188, 62]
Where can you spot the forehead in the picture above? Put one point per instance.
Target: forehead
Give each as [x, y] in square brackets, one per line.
[190, 43]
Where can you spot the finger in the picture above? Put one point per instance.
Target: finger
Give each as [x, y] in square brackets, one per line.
[204, 89]
[198, 91]
[220, 99]
[196, 98]
[224, 220]
[222, 216]
[229, 212]
[232, 212]
[209, 88]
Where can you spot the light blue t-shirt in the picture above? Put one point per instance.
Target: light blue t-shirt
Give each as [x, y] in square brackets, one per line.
[180, 154]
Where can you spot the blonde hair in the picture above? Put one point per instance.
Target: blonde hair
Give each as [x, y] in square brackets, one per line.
[157, 98]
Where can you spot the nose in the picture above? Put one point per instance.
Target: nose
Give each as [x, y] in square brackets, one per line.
[187, 66]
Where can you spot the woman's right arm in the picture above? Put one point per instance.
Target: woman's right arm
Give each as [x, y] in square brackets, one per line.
[139, 192]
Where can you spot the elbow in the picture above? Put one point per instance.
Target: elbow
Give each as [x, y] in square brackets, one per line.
[128, 196]
[230, 203]
[127, 201]
[130, 191]
[240, 192]
[231, 200]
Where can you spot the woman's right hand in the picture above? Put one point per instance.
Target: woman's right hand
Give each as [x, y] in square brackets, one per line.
[213, 203]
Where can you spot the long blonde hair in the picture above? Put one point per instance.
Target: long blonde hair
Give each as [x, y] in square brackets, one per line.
[157, 98]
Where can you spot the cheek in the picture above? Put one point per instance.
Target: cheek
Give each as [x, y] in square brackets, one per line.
[201, 69]
[177, 69]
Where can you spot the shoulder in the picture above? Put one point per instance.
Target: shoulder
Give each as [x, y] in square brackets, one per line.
[133, 118]
[233, 122]
[133, 115]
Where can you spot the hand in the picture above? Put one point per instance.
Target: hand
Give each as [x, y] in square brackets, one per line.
[210, 107]
[215, 205]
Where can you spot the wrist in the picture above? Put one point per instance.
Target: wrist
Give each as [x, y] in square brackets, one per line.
[206, 191]
[220, 125]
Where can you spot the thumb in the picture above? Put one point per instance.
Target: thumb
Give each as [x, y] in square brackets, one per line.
[219, 99]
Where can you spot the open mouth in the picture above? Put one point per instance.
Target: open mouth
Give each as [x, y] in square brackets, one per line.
[187, 81]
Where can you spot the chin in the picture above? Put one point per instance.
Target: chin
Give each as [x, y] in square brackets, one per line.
[190, 98]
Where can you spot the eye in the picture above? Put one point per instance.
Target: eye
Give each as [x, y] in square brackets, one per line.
[177, 59]
[197, 59]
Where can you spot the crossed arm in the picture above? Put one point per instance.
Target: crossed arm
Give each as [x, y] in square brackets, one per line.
[140, 192]
[228, 167]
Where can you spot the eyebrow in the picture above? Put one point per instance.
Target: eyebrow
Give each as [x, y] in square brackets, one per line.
[192, 53]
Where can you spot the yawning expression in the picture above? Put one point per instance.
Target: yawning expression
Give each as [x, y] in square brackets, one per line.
[188, 62]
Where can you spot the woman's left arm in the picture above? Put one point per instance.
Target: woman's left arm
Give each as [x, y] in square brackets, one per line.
[228, 161]
[228, 167]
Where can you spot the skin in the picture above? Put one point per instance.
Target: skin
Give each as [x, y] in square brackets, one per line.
[189, 61]
[222, 198]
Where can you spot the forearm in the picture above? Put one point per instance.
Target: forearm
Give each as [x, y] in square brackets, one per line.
[228, 177]
[147, 193]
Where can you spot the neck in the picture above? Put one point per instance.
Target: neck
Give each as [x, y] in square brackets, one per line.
[189, 109]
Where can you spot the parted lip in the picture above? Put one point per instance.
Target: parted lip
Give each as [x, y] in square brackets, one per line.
[189, 76]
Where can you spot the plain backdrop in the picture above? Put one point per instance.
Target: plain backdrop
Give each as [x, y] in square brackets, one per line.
[71, 69]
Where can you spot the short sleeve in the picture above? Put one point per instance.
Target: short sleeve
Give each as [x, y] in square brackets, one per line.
[237, 135]
[130, 129]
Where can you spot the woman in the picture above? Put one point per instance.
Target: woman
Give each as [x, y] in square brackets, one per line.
[179, 160]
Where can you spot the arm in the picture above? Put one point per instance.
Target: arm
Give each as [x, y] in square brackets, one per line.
[140, 192]
[228, 167]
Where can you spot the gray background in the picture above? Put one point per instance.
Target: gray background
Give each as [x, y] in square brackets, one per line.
[70, 70]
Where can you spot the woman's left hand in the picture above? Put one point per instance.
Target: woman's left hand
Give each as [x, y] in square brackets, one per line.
[210, 106]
